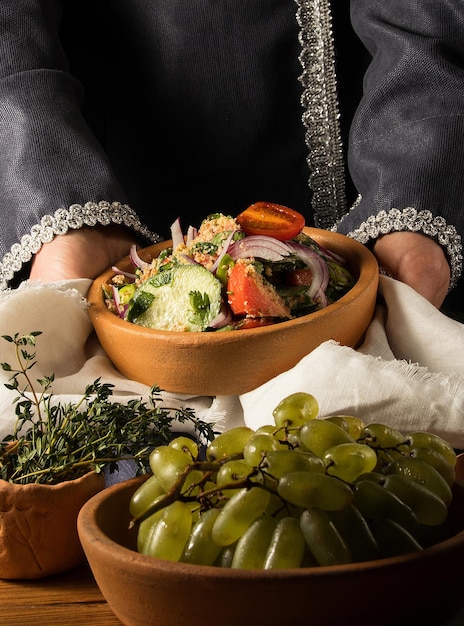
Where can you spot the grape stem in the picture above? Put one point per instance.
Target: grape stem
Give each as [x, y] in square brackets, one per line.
[175, 493]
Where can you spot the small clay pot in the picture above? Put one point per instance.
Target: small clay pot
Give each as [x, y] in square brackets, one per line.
[38, 531]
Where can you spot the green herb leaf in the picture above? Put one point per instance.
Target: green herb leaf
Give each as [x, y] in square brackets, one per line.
[200, 304]
[53, 442]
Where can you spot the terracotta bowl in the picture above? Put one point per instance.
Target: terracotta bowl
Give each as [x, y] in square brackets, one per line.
[420, 588]
[38, 531]
[235, 362]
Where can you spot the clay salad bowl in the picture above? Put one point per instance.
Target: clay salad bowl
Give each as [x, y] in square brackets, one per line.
[235, 362]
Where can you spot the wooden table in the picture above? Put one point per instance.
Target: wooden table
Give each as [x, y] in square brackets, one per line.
[65, 600]
[73, 599]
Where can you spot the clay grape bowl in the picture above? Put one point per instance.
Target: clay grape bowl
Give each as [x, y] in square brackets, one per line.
[235, 362]
[423, 587]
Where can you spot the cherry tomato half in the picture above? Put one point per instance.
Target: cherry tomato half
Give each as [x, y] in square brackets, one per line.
[254, 322]
[273, 220]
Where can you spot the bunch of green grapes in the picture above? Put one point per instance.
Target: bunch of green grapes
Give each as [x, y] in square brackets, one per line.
[305, 491]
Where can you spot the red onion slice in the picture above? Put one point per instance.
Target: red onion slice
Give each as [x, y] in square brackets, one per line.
[136, 259]
[129, 275]
[332, 255]
[317, 265]
[223, 318]
[259, 246]
[117, 302]
[188, 259]
[224, 250]
[177, 235]
[321, 298]
[192, 232]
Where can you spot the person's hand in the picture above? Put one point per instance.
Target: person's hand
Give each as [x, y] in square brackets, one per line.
[82, 253]
[416, 260]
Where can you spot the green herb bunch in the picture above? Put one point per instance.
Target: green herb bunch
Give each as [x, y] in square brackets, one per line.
[53, 442]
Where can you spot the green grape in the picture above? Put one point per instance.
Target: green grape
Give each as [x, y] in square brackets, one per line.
[226, 556]
[428, 508]
[214, 497]
[280, 462]
[421, 472]
[374, 502]
[381, 436]
[319, 435]
[392, 539]
[296, 409]
[292, 439]
[313, 489]
[145, 495]
[187, 445]
[309, 560]
[144, 528]
[313, 462]
[436, 460]
[385, 457]
[287, 546]
[230, 442]
[322, 538]
[421, 439]
[252, 546]
[351, 424]
[193, 483]
[200, 548]
[348, 461]
[169, 532]
[269, 429]
[257, 447]
[277, 507]
[431, 535]
[195, 509]
[355, 530]
[302, 492]
[231, 472]
[238, 513]
[376, 477]
[286, 438]
[167, 464]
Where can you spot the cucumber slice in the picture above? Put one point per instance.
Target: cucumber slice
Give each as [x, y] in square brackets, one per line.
[183, 298]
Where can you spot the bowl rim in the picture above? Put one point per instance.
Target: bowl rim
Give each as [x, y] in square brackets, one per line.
[91, 534]
[369, 272]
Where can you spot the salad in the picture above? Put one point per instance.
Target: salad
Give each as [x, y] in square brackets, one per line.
[231, 273]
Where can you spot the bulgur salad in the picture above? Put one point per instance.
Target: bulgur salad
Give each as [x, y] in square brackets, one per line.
[231, 274]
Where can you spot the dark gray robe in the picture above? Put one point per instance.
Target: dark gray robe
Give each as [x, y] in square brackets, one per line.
[139, 111]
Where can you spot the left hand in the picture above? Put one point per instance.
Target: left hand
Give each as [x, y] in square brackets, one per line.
[416, 260]
[81, 253]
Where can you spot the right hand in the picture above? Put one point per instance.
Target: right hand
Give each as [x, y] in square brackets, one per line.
[82, 253]
[416, 260]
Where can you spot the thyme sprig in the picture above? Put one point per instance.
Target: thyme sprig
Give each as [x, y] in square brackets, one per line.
[52, 442]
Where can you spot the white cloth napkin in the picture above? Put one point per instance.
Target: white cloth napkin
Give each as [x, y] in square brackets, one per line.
[409, 372]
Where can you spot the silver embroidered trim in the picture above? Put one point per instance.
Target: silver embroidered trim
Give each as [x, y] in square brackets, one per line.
[90, 214]
[415, 221]
[325, 148]
[321, 117]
